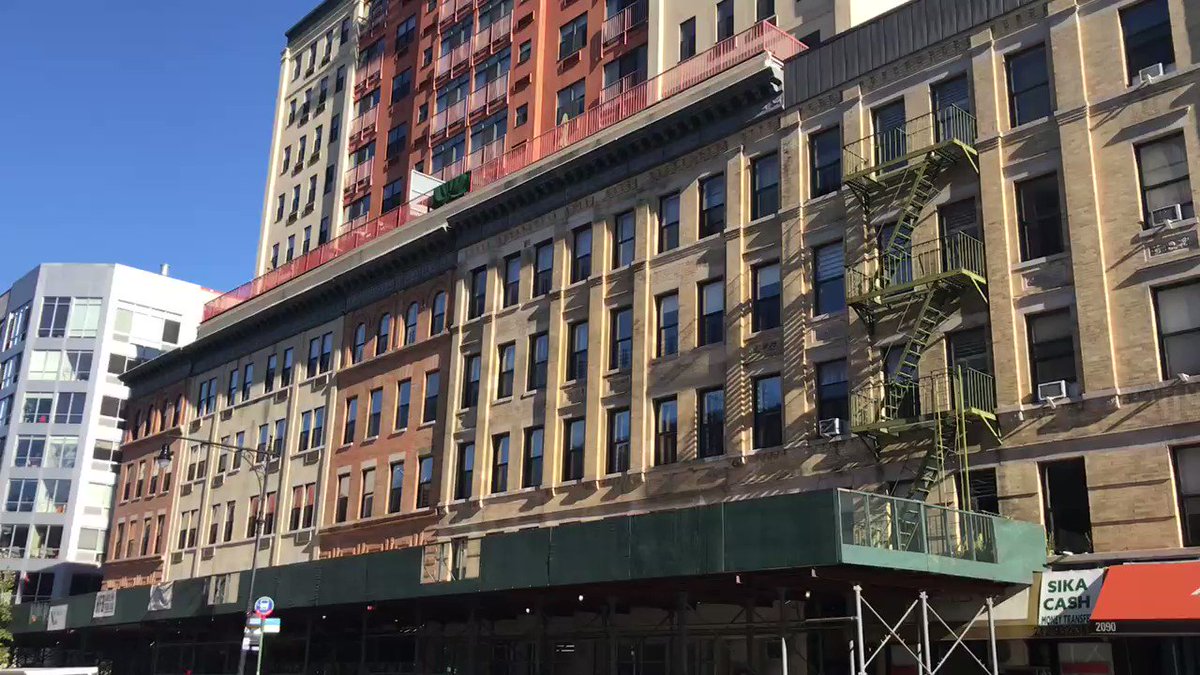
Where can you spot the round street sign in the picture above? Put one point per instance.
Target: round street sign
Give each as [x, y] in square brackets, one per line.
[264, 606]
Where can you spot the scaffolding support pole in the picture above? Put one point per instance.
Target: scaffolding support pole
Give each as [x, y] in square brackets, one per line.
[853, 659]
[995, 661]
[858, 621]
[926, 665]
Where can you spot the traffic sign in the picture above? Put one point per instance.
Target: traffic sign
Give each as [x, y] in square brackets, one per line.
[271, 625]
[264, 606]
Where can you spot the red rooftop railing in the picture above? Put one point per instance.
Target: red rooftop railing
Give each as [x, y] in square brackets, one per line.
[762, 38]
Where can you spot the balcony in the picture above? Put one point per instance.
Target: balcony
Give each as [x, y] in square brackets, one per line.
[357, 180]
[950, 132]
[616, 29]
[447, 118]
[494, 92]
[362, 129]
[449, 10]
[760, 39]
[367, 76]
[448, 62]
[495, 35]
[373, 25]
[957, 257]
[621, 86]
[893, 408]
[477, 158]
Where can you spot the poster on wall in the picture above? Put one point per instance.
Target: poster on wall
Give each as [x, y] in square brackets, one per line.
[1068, 598]
[106, 605]
[161, 596]
[56, 619]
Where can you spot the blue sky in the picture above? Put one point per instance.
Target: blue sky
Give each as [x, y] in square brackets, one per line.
[137, 132]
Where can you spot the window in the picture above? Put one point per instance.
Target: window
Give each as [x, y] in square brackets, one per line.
[618, 440]
[668, 325]
[710, 417]
[30, 451]
[437, 319]
[499, 463]
[393, 195]
[764, 10]
[1039, 217]
[230, 515]
[395, 487]
[764, 185]
[687, 39]
[326, 352]
[543, 268]
[952, 98]
[402, 85]
[478, 293]
[524, 51]
[712, 312]
[21, 495]
[470, 394]
[85, 318]
[508, 358]
[573, 449]
[539, 355]
[305, 438]
[624, 229]
[668, 223]
[766, 312]
[1051, 347]
[429, 410]
[1166, 186]
[976, 491]
[358, 209]
[280, 436]
[666, 431]
[247, 380]
[1146, 29]
[69, 408]
[825, 162]
[1065, 506]
[768, 412]
[366, 504]
[1028, 86]
[397, 143]
[54, 317]
[269, 375]
[724, 19]
[285, 375]
[620, 356]
[1177, 311]
[1187, 471]
[339, 79]
[376, 413]
[351, 420]
[581, 253]
[890, 132]
[466, 471]
[343, 499]
[969, 349]
[231, 395]
[360, 343]
[570, 102]
[577, 350]
[383, 334]
[403, 395]
[410, 323]
[521, 116]
[833, 391]
[712, 205]
[572, 36]
[512, 279]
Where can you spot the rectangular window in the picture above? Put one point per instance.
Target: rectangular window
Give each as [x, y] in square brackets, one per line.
[1039, 217]
[618, 440]
[1028, 86]
[724, 19]
[891, 137]
[570, 102]
[1166, 186]
[712, 205]
[247, 380]
[687, 39]
[403, 396]
[1177, 312]
[55, 311]
[539, 356]
[231, 396]
[543, 268]
[466, 471]
[478, 289]
[1187, 477]
[269, 375]
[1051, 347]
[425, 483]
[574, 440]
[764, 185]
[825, 162]
[668, 223]
[375, 416]
[1066, 511]
[620, 356]
[1146, 29]
[666, 431]
[766, 300]
[69, 408]
[572, 36]
[768, 412]
[710, 418]
[624, 233]
[581, 253]
[951, 98]
[668, 325]
[499, 463]
[712, 312]
[285, 375]
[341, 510]
[531, 469]
[366, 505]
[470, 394]
[577, 352]
[833, 392]
[351, 420]
[429, 408]
[976, 491]
[508, 362]
[395, 487]
[969, 349]
[304, 439]
[512, 279]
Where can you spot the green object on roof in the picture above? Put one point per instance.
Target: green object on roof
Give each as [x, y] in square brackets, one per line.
[450, 190]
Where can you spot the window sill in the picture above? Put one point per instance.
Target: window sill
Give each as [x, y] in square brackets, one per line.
[428, 424]
[530, 393]
[502, 400]
[822, 199]
[1038, 262]
[1156, 230]
[1132, 83]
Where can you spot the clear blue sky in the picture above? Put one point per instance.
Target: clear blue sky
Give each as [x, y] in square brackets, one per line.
[137, 132]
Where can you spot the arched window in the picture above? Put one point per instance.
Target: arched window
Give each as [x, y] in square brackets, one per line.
[410, 324]
[360, 342]
[383, 337]
[438, 322]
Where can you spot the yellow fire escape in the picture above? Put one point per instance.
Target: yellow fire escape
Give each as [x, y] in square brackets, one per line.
[915, 288]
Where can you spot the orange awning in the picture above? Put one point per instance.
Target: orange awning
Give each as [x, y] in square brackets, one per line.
[1152, 592]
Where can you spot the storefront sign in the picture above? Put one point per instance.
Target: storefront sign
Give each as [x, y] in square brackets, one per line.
[1068, 598]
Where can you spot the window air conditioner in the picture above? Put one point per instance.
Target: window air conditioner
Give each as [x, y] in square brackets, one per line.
[830, 428]
[1150, 73]
[1166, 215]
[1051, 392]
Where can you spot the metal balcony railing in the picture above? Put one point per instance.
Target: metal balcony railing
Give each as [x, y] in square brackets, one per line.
[762, 38]
[957, 252]
[497, 31]
[893, 524]
[452, 114]
[453, 58]
[930, 395]
[621, 86]
[893, 147]
[618, 25]
[496, 90]
[478, 157]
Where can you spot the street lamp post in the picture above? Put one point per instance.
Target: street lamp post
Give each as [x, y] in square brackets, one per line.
[260, 469]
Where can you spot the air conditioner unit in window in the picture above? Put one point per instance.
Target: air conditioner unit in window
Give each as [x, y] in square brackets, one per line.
[1166, 215]
[1150, 73]
[1052, 392]
[830, 428]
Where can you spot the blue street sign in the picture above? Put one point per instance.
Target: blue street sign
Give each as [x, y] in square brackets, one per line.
[264, 606]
